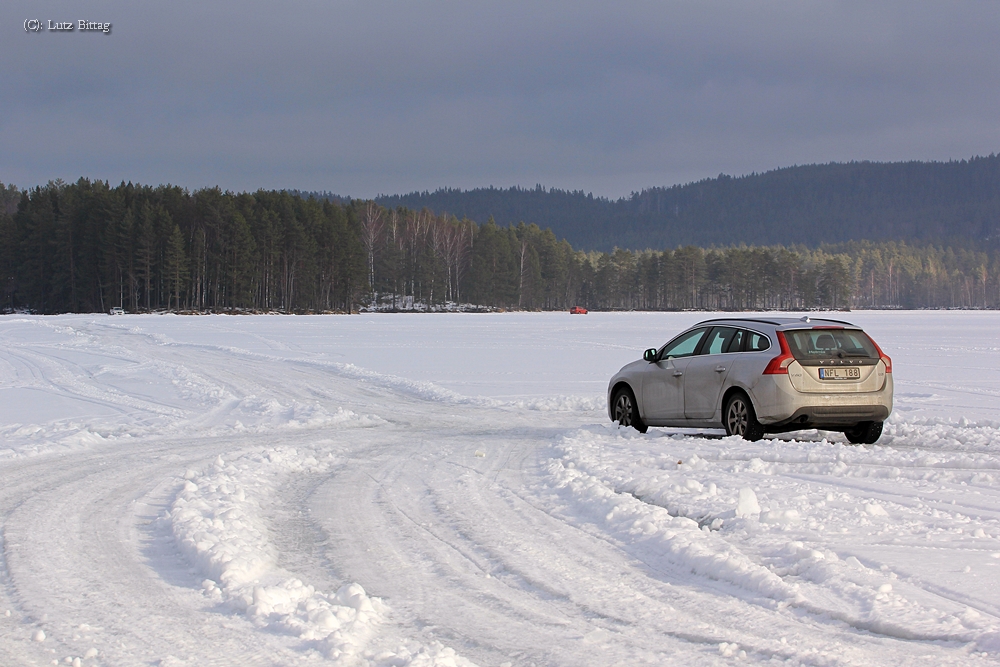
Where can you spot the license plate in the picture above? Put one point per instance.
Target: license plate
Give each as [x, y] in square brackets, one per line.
[840, 374]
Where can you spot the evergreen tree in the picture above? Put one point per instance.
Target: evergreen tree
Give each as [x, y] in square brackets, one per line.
[176, 266]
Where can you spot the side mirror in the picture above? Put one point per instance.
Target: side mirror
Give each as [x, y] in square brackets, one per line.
[649, 355]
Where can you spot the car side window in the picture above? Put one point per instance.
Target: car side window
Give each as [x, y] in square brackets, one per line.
[719, 340]
[757, 342]
[736, 343]
[684, 346]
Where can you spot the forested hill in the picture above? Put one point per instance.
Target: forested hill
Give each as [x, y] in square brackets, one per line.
[957, 202]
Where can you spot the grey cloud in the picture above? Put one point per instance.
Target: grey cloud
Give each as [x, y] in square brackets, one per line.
[382, 97]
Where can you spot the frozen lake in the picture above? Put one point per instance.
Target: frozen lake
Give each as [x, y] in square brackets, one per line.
[446, 489]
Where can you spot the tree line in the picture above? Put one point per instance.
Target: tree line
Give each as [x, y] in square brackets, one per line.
[88, 247]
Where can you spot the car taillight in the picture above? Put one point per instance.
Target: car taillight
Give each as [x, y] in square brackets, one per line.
[779, 365]
[882, 355]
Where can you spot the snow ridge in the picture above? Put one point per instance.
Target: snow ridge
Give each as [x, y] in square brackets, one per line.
[632, 520]
[698, 515]
[217, 522]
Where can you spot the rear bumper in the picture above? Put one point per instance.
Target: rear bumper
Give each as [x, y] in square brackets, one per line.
[830, 418]
[781, 407]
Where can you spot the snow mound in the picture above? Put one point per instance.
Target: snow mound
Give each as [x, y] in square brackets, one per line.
[631, 520]
[747, 505]
[760, 517]
[561, 404]
[415, 655]
[256, 414]
[218, 524]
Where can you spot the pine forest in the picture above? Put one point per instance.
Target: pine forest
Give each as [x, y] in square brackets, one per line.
[89, 247]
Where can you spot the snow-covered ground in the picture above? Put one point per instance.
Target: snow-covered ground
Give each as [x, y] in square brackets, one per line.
[446, 489]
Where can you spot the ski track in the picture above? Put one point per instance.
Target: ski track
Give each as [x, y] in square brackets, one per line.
[197, 502]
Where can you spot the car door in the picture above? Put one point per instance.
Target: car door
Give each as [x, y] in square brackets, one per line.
[706, 373]
[663, 380]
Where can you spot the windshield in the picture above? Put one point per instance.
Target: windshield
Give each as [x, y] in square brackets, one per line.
[823, 344]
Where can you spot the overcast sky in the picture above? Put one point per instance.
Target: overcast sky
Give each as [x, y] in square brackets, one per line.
[369, 97]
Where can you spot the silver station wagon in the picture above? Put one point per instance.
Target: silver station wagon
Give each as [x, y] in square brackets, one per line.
[755, 376]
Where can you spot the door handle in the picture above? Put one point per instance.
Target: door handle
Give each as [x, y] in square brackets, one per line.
[719, 369]
[677, 374]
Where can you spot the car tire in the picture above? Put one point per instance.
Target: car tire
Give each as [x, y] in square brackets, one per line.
[865, 433]
[625, 410]
[740, 419]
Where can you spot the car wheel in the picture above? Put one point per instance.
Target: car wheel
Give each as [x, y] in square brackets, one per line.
[865, 433]
[625, 410]
[740, 418]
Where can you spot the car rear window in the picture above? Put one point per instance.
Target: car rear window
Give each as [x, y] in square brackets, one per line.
[822, 344]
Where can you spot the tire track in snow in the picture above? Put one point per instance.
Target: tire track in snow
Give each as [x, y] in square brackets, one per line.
[817, 581]
[81, 573]
[487, 551]
[424, 390]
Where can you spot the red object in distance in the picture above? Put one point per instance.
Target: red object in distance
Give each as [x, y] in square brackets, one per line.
[577, 310]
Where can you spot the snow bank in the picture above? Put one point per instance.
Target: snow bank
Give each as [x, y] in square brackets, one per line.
[218, 523]
[789, 537]
[622, 512]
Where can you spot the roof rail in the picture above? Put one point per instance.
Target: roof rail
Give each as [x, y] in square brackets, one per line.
[772, 322]
[741, 319]
[827, 319]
